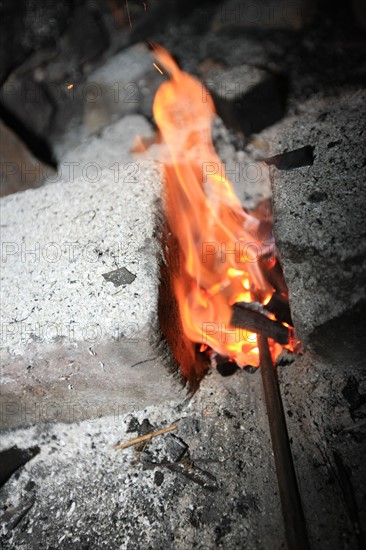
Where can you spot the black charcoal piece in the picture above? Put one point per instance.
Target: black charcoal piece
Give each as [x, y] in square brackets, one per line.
[197, 475]
[14, 458]
[145, 427]
[133, 425]
[304, 156]
[13, 516]
[286, 357]
[120, 277]
[228, 368]
[158, 478]
[176, 448]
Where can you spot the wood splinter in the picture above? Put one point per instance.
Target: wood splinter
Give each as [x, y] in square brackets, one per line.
[146, 437]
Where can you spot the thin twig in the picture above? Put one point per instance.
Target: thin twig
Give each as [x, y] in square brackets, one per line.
[146, 437]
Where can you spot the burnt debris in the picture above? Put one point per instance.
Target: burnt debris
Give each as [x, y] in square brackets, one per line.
[120, 277]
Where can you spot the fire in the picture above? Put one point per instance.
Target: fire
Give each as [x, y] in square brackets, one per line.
[218, 238]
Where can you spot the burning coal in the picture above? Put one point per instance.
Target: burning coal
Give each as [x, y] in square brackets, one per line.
[227, 254]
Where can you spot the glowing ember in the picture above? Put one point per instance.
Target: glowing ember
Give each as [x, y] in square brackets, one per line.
[218, 238]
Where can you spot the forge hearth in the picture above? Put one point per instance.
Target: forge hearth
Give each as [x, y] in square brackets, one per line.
[93, 349]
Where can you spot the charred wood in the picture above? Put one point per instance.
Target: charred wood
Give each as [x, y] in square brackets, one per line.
[254, 321]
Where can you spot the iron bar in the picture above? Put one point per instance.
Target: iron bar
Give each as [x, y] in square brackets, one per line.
[292, 511]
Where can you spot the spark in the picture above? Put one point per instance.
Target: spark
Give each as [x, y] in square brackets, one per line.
[69, 86]
[158, 68]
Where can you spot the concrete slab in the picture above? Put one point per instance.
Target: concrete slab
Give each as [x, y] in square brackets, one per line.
[79, 293]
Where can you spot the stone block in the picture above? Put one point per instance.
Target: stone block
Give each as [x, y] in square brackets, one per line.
[76, 340]
[319, 222]
[247, 98]
[125, 84]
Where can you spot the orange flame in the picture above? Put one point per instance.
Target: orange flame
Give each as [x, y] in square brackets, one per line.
[218, 238]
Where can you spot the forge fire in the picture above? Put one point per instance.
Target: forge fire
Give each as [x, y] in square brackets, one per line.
[226, 250]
